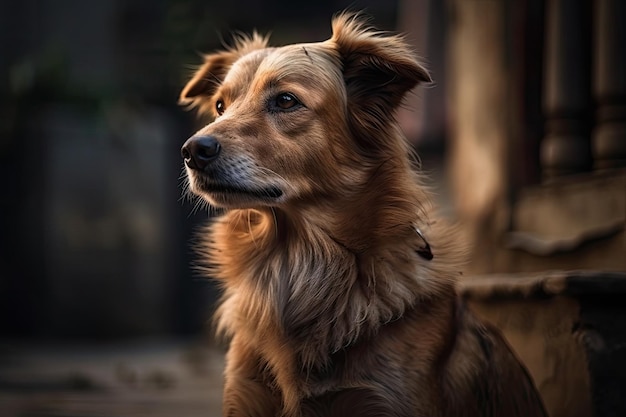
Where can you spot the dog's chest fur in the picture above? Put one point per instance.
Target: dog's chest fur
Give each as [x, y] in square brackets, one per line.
[312, 288]
[306, 307]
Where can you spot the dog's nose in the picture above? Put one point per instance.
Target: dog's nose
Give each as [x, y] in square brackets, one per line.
[199, 151]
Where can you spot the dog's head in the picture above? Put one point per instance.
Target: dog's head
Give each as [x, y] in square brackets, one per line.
[296, 122]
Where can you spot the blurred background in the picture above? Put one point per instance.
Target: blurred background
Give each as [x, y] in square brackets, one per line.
[522, 133]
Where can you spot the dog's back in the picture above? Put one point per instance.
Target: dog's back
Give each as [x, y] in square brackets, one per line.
[484, 377]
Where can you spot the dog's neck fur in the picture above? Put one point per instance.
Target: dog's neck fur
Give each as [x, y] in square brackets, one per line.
[280, 262]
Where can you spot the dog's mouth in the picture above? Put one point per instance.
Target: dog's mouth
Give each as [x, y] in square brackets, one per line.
[213, 188]
[261, 193]
[221, 190]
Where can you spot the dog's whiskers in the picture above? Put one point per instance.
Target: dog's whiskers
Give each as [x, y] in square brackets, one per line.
[196, 207]
[272, 173]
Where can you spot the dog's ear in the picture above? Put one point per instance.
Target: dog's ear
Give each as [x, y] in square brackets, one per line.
[211, 73]
[378, 68]
[205, 80]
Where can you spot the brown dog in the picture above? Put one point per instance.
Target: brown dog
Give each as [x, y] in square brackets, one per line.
[334, 301]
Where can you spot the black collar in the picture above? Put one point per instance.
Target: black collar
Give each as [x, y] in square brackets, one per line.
[423, 250]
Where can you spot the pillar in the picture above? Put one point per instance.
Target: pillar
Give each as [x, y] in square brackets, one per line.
[567, 76]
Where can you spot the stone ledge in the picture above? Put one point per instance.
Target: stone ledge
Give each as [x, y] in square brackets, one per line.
[581, 283]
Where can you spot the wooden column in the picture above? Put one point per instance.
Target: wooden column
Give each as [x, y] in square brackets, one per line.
[609, 86]
[567, 76]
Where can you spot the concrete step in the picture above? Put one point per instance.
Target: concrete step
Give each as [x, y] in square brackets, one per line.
[568, 327]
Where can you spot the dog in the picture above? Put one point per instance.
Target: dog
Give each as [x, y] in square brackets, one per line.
[338, 282]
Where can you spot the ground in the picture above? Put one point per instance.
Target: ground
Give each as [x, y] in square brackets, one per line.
[131, 379]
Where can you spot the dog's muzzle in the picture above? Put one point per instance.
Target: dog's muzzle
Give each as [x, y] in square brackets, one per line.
[199, 151]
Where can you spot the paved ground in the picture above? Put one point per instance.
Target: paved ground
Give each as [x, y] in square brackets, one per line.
[131, 379]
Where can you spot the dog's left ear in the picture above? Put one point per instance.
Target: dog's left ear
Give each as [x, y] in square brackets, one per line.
[207, 78]
[378, 68]
[211, 73]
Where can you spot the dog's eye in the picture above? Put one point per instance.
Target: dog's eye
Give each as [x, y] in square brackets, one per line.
[286, 101]
[220, 107]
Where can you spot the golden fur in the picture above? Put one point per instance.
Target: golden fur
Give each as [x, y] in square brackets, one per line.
[331, 303]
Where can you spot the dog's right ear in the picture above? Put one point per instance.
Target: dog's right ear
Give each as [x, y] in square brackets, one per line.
[378, 70]
[210, 75]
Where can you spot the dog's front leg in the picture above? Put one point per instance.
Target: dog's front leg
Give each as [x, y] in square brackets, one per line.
[245, 397]
[246, 393]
